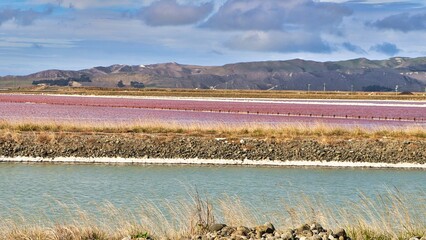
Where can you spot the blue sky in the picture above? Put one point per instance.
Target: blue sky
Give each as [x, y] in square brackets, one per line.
[76, 34]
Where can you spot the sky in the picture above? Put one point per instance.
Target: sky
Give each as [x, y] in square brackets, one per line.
[37, 35]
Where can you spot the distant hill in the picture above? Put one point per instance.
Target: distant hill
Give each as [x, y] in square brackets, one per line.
[357, 74]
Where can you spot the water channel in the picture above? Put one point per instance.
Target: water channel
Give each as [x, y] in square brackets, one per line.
[35, 188]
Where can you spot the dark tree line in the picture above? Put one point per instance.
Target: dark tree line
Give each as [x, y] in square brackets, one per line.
[133, 84]
[62, 81]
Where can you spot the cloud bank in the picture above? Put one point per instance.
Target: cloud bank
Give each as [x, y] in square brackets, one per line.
[277, 15]
[84, 33]
[404, 22]
[22, 17]
[386, 48]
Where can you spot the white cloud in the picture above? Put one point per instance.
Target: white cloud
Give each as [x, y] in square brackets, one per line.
[172, 13]
[277, 41]
[266, 15]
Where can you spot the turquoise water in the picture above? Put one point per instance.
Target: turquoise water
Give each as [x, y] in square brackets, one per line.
[35, 187]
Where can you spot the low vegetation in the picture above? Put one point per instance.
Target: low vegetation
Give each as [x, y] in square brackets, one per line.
[233, 142]
[390, 216]
[219, 93]
[277, 132]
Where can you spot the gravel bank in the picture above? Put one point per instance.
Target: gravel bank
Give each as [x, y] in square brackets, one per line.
[143, 146]
[312, 231]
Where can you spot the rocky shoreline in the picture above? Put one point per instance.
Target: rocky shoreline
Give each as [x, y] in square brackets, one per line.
[162, 146]
[312, 231]
[267, 231]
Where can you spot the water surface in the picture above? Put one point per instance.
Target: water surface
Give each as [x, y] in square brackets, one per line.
[34, 188]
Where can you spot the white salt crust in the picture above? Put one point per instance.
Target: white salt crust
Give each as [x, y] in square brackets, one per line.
[178, 161]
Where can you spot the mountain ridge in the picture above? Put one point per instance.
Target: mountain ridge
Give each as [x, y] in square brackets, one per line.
[295, 74]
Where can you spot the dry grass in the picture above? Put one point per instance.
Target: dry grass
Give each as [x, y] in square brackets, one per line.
[220, 93]
[390, 216]
[277, 132]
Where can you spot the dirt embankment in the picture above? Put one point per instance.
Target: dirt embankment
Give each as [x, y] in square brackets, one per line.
[50, 145]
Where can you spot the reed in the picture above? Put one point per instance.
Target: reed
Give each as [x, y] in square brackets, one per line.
[393, 215]
[276, 131]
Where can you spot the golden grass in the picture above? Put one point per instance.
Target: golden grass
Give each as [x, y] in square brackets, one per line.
[388, 216]
[220, 93]
[277, 132]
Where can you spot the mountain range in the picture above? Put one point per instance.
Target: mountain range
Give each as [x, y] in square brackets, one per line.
[362, 74]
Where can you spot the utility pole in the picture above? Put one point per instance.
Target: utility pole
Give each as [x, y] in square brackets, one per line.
[309, 87]
[324, 87]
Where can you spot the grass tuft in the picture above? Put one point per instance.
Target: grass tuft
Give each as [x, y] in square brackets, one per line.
[283, 131]
[389, 216]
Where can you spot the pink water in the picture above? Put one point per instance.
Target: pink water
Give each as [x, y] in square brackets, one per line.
[105, 109]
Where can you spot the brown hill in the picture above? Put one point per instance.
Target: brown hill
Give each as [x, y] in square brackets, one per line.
[357, 74]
